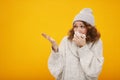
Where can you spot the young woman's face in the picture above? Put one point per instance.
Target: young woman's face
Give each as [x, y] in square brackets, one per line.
[80, 27]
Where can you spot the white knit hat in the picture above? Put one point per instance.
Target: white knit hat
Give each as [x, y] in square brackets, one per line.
[85, 15]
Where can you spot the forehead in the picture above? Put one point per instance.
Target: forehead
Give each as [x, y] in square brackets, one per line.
[79, 23]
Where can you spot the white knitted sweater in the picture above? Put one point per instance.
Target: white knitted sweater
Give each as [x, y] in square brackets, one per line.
[74, 63]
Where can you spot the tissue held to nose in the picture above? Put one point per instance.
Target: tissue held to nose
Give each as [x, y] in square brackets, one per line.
[80, 34]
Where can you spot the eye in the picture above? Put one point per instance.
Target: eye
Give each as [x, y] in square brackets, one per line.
[82, 26]
[75, 26]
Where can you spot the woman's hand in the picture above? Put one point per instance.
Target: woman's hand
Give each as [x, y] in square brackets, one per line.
[79, 40]
[52, 41]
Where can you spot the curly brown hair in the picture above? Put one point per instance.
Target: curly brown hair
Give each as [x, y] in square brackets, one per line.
[92, 34]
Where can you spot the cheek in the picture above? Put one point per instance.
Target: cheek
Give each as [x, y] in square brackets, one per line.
[84, 31]
[74, 29]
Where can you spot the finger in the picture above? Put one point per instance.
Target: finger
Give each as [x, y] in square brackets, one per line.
[75, 39]
[75, 36]
[48, 38]
[79, 37]
[45, 35]
[51, 40]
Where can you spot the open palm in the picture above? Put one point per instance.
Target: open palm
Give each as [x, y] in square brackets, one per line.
[52, 41]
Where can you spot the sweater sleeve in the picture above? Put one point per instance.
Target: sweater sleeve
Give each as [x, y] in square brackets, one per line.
[56, 61]
[91, 59]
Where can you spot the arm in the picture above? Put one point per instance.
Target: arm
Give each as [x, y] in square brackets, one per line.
[56, 60]
[91, 59]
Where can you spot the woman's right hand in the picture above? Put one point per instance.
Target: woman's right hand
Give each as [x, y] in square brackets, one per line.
[52, 41]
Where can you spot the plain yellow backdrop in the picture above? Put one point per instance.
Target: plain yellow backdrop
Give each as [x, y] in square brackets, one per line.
[24, 52]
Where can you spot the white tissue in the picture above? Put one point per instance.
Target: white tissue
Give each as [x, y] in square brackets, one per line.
[80, 34]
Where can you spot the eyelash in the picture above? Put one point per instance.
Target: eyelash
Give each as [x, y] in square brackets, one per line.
[80, 26]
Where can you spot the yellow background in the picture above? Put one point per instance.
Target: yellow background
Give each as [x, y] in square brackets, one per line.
[24, 52]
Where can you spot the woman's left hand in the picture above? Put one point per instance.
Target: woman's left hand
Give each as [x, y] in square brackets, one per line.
[79, 40]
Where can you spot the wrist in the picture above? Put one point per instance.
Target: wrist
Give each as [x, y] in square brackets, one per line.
[55, 49]
[81, 45]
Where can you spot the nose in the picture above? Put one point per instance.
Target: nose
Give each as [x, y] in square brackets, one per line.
[78, 29]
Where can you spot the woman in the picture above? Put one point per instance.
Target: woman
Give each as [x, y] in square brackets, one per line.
[79, 55]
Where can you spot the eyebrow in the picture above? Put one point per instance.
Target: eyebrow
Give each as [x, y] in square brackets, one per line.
[76, 25]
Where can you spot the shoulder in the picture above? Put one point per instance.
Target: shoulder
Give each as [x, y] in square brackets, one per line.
[96, 44]
[65, 38]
